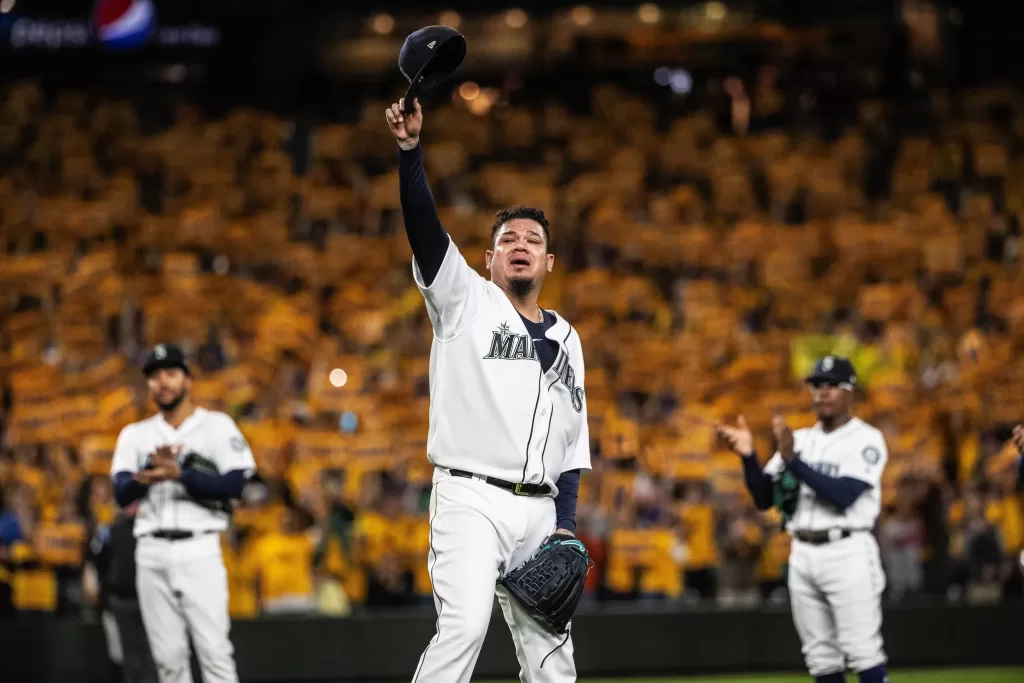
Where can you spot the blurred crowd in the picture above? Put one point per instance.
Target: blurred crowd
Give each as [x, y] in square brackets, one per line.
[707, 249]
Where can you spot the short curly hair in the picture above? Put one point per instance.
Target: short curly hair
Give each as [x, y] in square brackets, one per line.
[511, 213]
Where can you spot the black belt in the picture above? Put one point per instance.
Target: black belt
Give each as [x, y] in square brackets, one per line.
[824, 536]
[518, 489]
[176, 535]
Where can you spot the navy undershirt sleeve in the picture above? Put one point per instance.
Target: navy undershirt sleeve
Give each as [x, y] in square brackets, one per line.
[840, 492]
[202, 485]
[427, 236]
[568, 486]
[758, 483]
[127, 490]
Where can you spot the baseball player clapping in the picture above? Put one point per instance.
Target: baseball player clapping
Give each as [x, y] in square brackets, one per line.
[185, 464]
[508, 421]
[1018, 441]
[825, 481]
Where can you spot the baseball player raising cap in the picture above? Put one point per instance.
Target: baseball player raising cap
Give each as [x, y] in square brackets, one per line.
[826, 483]
[184, 465]
[508, 430]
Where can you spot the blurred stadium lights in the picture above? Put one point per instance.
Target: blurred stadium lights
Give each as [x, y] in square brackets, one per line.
[338, 377]
[679, 80]
[383, 24]
[581, 15]
[516, 18]
[715, 11]
[485, 100]
[469, 90]
[648, 13]
[449, 18]
[6, 6]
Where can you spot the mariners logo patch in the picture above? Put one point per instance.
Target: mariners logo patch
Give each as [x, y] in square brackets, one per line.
[237, 444]
[827, 363]
[871, 455]
[160, 352]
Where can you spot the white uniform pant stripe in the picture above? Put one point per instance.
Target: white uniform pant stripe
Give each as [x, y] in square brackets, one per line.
[431, 560]
[183, 591]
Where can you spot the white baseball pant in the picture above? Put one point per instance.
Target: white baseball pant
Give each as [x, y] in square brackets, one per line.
[835, 592]
[478, 532]
[183, 591]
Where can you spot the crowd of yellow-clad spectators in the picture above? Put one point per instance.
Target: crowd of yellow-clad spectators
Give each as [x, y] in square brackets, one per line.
[706, 257]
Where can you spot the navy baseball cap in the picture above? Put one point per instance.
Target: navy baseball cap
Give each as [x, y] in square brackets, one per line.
[428, 58]
[165, 356]
[833, 370]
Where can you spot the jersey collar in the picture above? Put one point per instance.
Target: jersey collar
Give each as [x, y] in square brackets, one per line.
[197, 413]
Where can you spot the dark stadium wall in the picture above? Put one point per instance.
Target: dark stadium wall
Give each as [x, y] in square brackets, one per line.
[614, 642]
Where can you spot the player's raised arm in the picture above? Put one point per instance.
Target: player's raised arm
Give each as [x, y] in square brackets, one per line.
[441, 273]
[741, 441]
[843, 490]
[427, 236]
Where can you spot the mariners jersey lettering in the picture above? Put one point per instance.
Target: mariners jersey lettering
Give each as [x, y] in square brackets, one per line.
[493, 409]
[167, 505]
[854, 450]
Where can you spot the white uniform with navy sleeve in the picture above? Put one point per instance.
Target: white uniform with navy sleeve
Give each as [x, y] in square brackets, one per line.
[836, 586]
[494, 412]
[182, 583]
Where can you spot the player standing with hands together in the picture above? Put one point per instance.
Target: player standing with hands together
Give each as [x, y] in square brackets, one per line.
[508, 422]
[185, 464]
[825, 481]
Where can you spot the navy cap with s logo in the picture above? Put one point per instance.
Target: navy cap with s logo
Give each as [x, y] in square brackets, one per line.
[165, 356]
[833, 370]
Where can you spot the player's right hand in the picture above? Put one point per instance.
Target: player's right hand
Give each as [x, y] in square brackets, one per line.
[405, 124]
[739, 438]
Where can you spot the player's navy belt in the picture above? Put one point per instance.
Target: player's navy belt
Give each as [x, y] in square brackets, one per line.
[177, 535]
[824, 536]
[518, 489]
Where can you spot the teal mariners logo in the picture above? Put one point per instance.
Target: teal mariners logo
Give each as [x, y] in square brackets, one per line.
[506, 345]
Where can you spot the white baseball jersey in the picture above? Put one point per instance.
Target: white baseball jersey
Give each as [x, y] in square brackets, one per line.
[167, 506]
[855, 450]
[493, 410]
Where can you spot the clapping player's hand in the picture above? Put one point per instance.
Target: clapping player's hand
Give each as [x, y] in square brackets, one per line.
[739, 438]
[783, 437]
[405, 125]
[165, 467]
[1018, 438]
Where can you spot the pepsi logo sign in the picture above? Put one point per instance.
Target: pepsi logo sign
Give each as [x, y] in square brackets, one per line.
[116, 25]
[124, 24]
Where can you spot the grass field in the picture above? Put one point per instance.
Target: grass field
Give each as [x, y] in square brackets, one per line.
[945, 676]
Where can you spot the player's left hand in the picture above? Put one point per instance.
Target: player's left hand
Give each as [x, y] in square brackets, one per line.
[783, 436]
[1018, 438]
[564, 532]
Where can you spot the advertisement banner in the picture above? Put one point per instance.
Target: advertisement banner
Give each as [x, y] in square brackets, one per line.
[112, 26]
